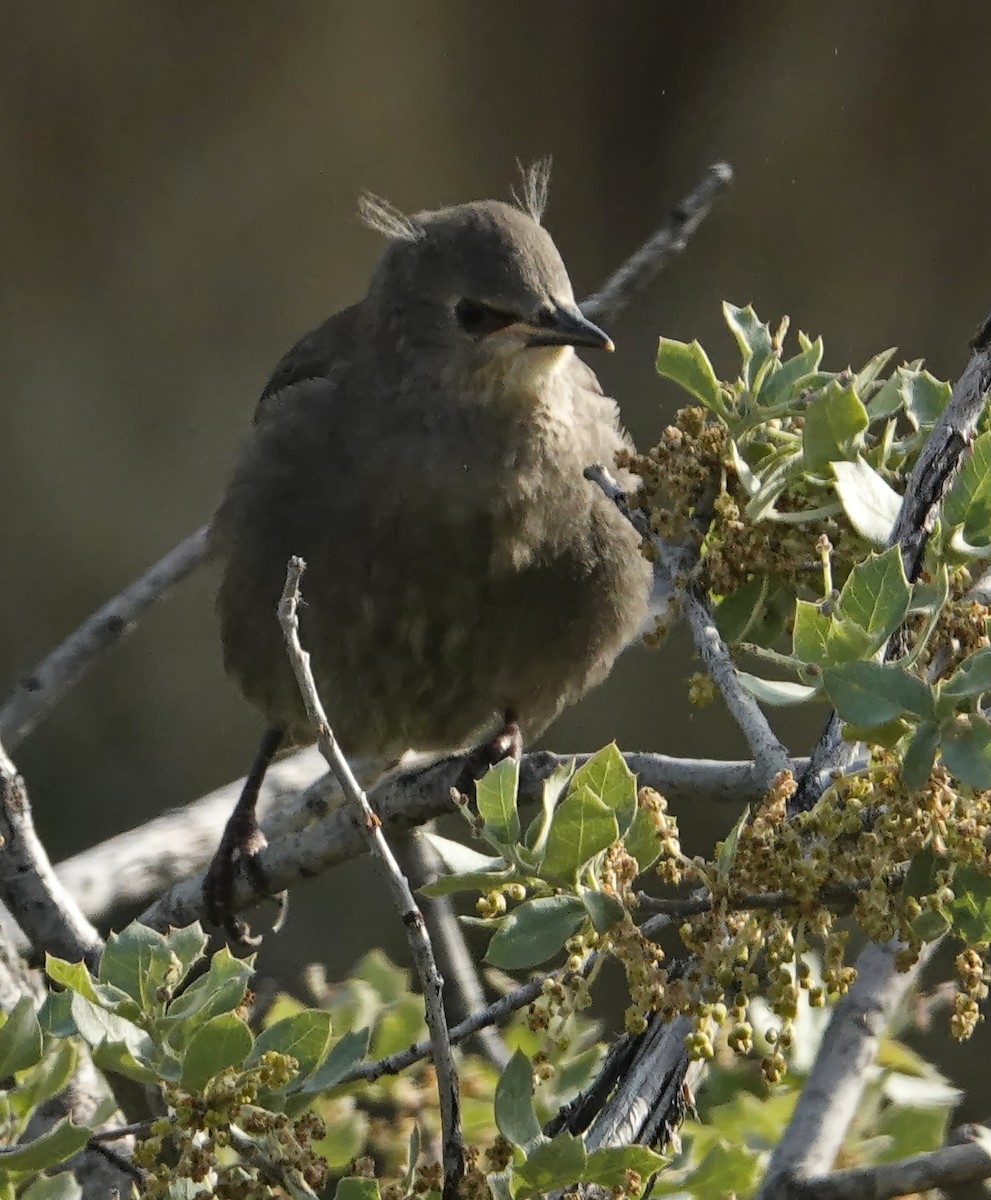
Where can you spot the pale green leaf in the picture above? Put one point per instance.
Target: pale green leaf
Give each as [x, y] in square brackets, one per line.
[224, 1041]
[688, 366]
[870, 504]
[495, 796]
[582, 827]
[515, 1116]
[535, 931]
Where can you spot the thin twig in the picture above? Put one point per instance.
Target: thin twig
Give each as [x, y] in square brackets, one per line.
[310, 833]
[38, 901]
[422, 952]
[770, 756]
[903, 1177]
[836, 1082]
[645, 264]
[423, 864]
[37, 693]
[392, 1064]
[115, 1132]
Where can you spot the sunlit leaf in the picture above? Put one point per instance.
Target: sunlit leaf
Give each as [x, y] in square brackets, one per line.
[535, 931]
[870, 504]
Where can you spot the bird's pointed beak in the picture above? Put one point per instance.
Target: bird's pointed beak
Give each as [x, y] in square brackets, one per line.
[561, 326]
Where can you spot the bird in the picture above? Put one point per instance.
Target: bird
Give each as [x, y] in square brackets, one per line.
[423, 451]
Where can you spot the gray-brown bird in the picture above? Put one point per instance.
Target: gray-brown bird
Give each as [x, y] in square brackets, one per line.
[423, 451]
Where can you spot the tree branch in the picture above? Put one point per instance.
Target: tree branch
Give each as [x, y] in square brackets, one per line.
[836, 1082]
[645, 264]
[37, 693]
[905, 1176]
[675, 564]
[32, 892]
[431, 983]
[136, 867]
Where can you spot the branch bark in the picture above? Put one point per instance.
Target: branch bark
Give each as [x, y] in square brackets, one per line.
[37, 693]
[136, 867]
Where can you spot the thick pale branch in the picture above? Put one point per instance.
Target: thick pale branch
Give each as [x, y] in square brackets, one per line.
[136, 867]
[38, 901]
[904, 1177]
[836, 1082]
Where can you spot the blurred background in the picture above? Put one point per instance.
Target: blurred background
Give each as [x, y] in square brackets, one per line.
[179, 207]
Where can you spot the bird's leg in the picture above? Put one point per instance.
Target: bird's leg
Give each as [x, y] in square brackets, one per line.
[242, 838]
[507, 743]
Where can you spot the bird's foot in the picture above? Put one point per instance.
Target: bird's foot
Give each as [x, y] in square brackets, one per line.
[507, 743]
[242, 842]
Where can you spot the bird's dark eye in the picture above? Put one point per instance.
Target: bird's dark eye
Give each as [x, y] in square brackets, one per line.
[479, 319]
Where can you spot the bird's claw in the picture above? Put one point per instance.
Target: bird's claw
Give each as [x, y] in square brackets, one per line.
[243, 841]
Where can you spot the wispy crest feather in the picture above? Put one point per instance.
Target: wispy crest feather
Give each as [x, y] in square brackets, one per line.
[385, 218]
[535, 179]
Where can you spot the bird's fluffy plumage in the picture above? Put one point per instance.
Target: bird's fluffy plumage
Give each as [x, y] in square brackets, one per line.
[459, 564]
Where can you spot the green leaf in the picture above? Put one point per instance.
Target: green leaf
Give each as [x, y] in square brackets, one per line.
[304, 1036]
[96, 1024]
[20, 1039]
[224, 1041]
[553, 789]
[342, 1058]
[608, 1166]
[726, 849]
[554, 1164]
[218, 990]
[870, 504]
[752, 336]
[582, 827]
[605, 909]
[834, 423]
[920, 877]
[886, 401]
[689, 367]
[449, 885]
[971, 906]
[71, 975]
[356, 1187]
[55, 1187]
[496, 799]
[116, 1058]
[788, 380]
[876, 595]
[845, 641]
[724, 1171]
[460, 859]
[535, 931]
[871, 370]
[48, 1079]
[642, 841]
[515, 1116]
[55, 1015]
[737, 613]
[966, 751]
[188, 944]
[968, 502]
[810, 633]
[931, 924]
[973, 677]
[776, 692]
[923, 395]
[920, 755]
[871, 694]
[137, 961]
[610, 780]
[889, 735]
[60, 1143]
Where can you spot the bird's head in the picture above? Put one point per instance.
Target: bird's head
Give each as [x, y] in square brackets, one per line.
[482, 285]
